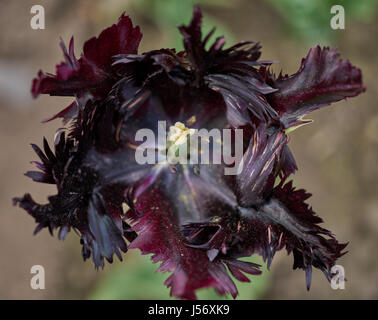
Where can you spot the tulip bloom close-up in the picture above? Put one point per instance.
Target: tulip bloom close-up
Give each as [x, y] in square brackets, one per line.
[198, 216]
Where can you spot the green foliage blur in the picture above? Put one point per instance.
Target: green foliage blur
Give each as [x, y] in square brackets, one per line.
[310, 19]
[167, 14]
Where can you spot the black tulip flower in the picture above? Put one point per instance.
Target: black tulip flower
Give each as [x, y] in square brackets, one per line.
[191, 216]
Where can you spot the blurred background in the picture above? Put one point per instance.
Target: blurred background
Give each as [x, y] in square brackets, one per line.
[337, 154]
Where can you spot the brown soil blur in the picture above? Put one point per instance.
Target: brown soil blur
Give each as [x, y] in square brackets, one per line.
[337, 154]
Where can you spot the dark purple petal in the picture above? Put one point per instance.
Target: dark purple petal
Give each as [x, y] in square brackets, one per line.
[101, 233]
[257, 166]
[95, 211]
[288, 163]
[240, 98]
[104, 238]
[192, 217]
[38, 176]
[294, 219]
[52, 165]
[230, 72]
[194, 47]
[283, 221]
[323, 78]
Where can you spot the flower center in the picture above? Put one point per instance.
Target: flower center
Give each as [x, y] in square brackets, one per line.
[178, 139]
[179, 133]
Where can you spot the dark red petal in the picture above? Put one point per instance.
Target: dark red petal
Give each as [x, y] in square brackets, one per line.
[92, 72]
[120, 38]
[236, 266]
[323, 78]
[160, 235]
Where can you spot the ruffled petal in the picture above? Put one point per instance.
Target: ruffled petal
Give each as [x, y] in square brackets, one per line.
[322, 78]
[159, 234]
[94, 210]
[283, 221]
[257, 175]
[192, 217]
[91, 74]
[51, 165]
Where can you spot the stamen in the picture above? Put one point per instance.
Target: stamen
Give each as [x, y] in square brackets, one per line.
[178, 133]
[178, 142]
[279, 241]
